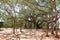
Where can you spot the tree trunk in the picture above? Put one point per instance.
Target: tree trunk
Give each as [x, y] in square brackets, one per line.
[20, 29]
[56, 31]
[47, 29]
[56, 28]
[52, 32]
[14, 26]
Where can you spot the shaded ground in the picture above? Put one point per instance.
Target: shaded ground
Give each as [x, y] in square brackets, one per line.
[27, 34]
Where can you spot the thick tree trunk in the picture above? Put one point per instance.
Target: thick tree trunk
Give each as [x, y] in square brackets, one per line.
[53, 11]
[52, 32]
[56, 28]
[14, 24]
[56, 31]
[47, 29]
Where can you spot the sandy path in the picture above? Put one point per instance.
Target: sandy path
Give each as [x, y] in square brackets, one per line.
[25, 35]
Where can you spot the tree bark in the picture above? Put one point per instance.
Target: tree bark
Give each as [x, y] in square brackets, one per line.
[14, 26]
[47, 29]
[52, 32]
[53, 11]
[56, 28]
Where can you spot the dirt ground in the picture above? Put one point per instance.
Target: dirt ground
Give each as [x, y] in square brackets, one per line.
[27, 34]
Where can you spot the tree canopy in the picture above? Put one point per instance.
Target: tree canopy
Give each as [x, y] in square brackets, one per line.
[23, 9]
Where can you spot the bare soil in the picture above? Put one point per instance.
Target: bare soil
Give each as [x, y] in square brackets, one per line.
[26, 34]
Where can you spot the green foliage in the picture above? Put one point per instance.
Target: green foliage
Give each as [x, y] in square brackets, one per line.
[57, 2]
[1, 24]
[27, 8]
